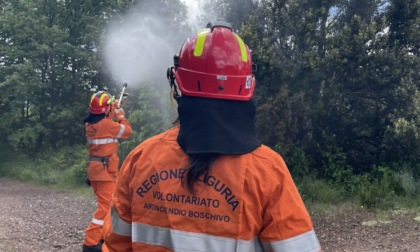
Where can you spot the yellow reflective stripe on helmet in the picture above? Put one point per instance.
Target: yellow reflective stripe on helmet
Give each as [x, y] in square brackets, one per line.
[110, 100]
[102, 98]
[91, 99]
[244, 55]
[199, 43]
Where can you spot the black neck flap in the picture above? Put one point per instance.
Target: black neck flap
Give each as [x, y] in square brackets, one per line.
[216, 126]
[92, 118]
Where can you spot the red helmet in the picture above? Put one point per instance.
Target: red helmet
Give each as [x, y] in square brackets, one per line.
[100, 102]
[215, 63]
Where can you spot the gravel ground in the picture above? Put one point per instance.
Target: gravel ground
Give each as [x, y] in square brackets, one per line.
[41, 219]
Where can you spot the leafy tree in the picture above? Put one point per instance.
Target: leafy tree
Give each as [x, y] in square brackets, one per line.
[52, 61]
[335, 55]
[402, 134]
[234, 12]
[47, 63]
[289, 43]
[403, 20]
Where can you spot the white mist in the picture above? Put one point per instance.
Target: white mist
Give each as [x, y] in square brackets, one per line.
[138, 48]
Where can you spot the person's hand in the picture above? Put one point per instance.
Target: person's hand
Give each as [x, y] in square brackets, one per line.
[120, 112]
[124, 97]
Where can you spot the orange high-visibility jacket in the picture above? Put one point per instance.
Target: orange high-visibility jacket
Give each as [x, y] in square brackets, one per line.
[248, 202]
[102, 139]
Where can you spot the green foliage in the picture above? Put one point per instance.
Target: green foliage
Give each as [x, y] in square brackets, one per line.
[334, 164]
[297, 162]
[412, 169]
[65, 167]
[359, 105]
[47, 65]
[69, 163]
[402, 136]
[11, 160]
[339, 173]
[318, 191]
[380, 192]
[148, 112]
[407, 183]
[404, 17]
[271, 127]
[76, 174]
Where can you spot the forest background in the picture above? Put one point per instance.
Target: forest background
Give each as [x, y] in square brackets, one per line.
[337, 92]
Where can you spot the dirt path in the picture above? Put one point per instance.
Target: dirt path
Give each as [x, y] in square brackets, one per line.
[34, 218]
[40, 219]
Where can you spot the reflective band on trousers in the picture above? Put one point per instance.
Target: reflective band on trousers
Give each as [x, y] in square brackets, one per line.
[98, 222]
[188, 241]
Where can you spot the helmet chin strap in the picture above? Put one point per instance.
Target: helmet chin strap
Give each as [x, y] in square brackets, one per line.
[108, 110]
[171, 78]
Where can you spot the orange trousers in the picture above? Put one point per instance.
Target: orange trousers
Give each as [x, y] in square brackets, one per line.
[94, 232]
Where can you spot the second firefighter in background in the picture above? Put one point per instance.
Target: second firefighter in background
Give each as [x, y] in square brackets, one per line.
[105, 126]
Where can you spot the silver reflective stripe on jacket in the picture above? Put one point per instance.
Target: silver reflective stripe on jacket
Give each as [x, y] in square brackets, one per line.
[178, 240]
[103, 141]
[122, 128]
[119, 226]
[306, 242]
[108, 140]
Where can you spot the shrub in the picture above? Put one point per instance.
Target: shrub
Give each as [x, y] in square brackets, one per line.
[297, 162]
[78, 172]
[380, 192]
[406, 182]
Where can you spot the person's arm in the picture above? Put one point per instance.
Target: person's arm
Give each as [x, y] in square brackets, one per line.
[126, 131]
[287, 225]
[121, 129]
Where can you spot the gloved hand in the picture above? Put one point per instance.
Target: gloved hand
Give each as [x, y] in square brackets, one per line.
[124, 97]
[112, 113]
[120, 113]
[115, 104]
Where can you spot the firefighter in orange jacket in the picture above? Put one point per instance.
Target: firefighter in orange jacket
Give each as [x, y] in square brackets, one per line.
[103, 135]
[208, 184]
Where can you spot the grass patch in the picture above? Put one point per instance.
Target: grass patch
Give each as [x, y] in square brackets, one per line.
[341, 208]
[417, 219]
[65, 168]
[319, 191]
